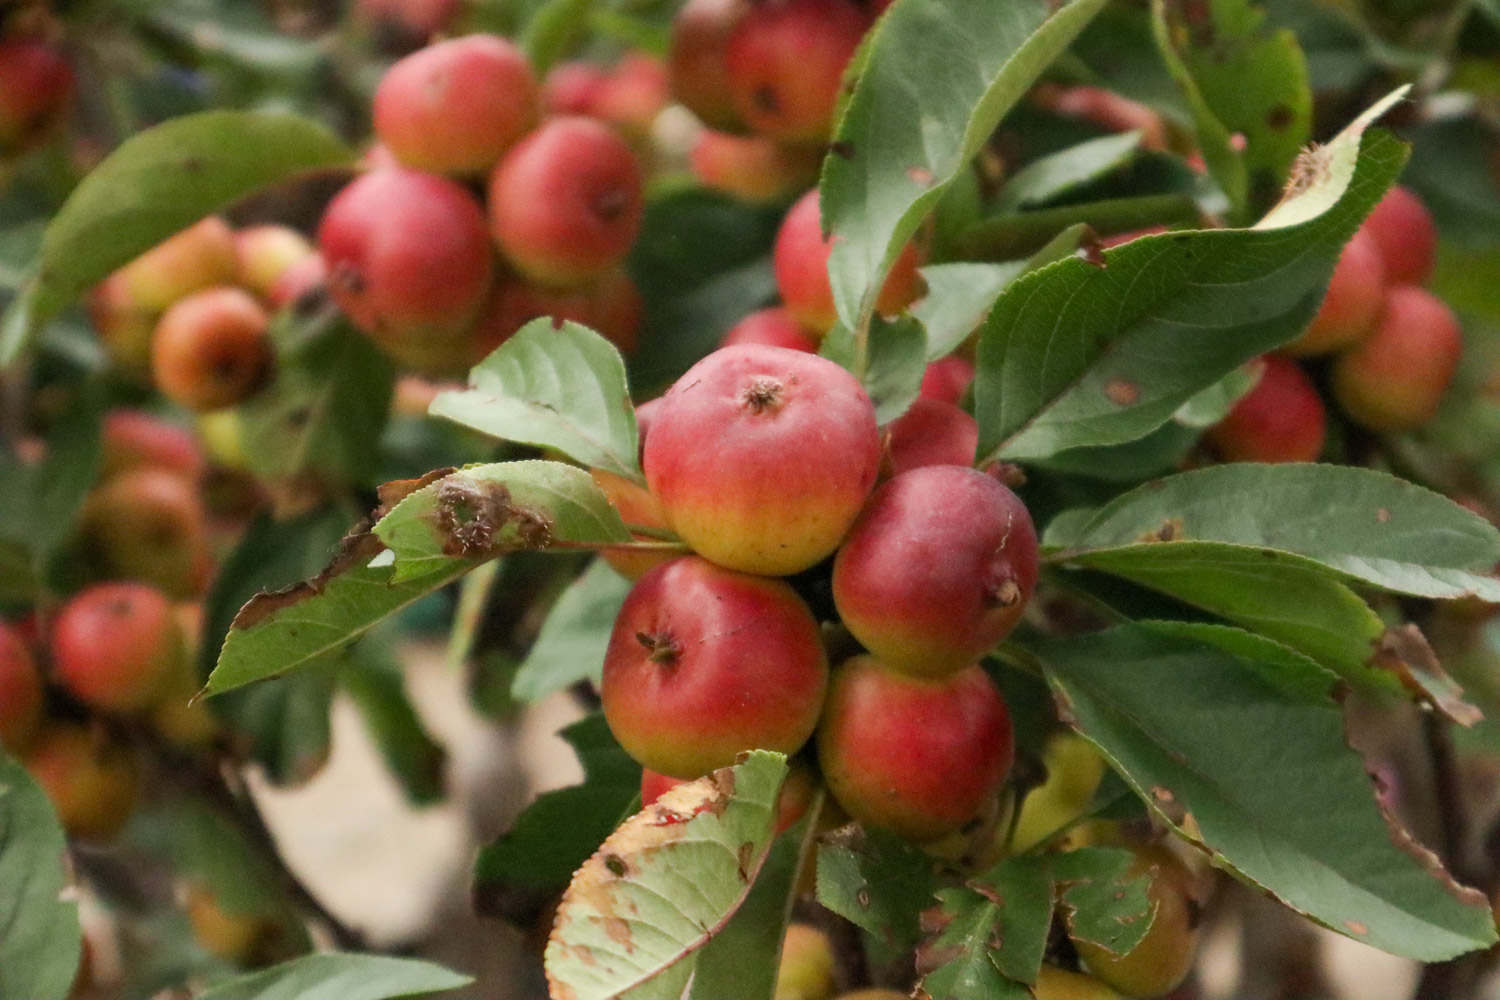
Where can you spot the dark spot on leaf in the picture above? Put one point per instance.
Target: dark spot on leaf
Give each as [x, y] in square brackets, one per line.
[396, 490]
[616, 865]
[746, 858]
[934, 919]
[477, 519]
[843, 149]
[1280, 117]
[1170, 530]
[1122, 392]
[619, 932]
[192, 165]
[862, 897]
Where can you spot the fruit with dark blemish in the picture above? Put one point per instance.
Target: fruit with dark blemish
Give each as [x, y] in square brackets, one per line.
[1163, 958]
[115, 645]
[410, 262]
[21, 697]
[211, 349]
[800, 258]
[794, 452]
[937, 569]
[916, 756]
[566, 201]
[1282, 419]
[93, 781]
[1403, 231]
[147, 524]
[785, 61]
[1395, 378]
[1352, 303]
[456, 106]
[704, 663]
[930, 432]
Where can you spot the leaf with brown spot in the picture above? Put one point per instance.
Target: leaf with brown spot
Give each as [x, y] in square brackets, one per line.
[661, 886]
[993, 933]
[1404, 651]
[1102, 901]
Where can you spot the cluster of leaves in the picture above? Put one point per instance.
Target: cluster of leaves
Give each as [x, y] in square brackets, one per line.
[1228, 619]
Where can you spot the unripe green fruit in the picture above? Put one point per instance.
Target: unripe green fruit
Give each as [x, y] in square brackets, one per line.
[1395, 378]
[1074, 770]
[753, 168]
[115, 646]
[21, 696]
[266, 253]
[148, 524]
[410, 262]
[1163, 958]
[211, 349]
[455, 107]
[233, 937]
[806, 970]
[704, 663]
[1352, 304]
[1282, 419]
[696, 62]
[1053, 983]
[937, 570]
[93, 783]
[785, 63]
[761, 457]
[800, 258]
[917, 757]
[1403, 230]
[566, 202]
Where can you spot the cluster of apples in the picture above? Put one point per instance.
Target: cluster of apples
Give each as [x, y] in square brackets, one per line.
[193, 313]
[437, 277]
[764, 78]
[766, 462]
[1391, 346]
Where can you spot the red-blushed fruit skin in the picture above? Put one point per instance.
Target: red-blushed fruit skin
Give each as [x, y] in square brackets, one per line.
[654, 784]
[93, 782]
[409, 260]
[566, 201]
[930, 432]
[572, 88]
[696, 66]
[148, 524]
[785, 61]
[637, 507]
[1403, 230]
[917, 757]
[131, 439]
[1352, 304]
[124, 331]
[21, 697]
[36, 85]
[753, 168]
[1395, 378]
[1106, 109]
[200, 256]
[704, 663]
[937, 569]
[266, 253]
[1282, 419]
[298, 281]
[611, 305]
[211, 349]
[800, 259]
[455, 107]
[115, 645]
[948, 379]
[762, 456]
[633, 93]
[773, 327]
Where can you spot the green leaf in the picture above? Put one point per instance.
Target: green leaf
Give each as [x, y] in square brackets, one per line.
[327, 404]
[1452, 168]
[960, 963]
[956, 67]
[1363, 525]
[560, 387]
[156, 183]
[375, 681]
[1054, 176]
[896, 358]
[1248, 90]
[1241, 736]
[1078, 354]
[341, 977]
[1102, 902]
[555, 28]
[534, 859]
[663, 884]
[570, 646]
[878, 882]
[1020, 890]
[41, 499]
[40, 940]
[959, 296]
[485, 510]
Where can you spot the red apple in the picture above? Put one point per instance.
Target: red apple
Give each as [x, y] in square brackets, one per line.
[36, 85]
[752, 167]
[948, 379]
[704, 663]
[773, 327]
[1403, 230]
[696, 63]
[1394, 379]
[148, 524]
[785, 61]
[115, 645]
[918, 757]
[1280, 420]
[637, 507]
[132, 439]
[1352, 304]
[761, 457]
[21, 697]
[92, 781]
[211, 349]
[937, 569]
[610, 305]
[930, 432]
